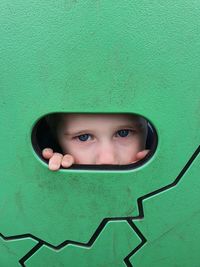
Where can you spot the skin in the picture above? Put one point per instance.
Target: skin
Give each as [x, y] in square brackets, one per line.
[117, 139]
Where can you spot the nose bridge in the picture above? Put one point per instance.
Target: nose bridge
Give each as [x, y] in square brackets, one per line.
[106, 153]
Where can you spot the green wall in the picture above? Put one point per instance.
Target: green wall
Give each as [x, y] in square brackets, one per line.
[102, 57]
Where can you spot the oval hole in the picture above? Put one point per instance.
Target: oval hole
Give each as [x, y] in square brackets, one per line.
[97, 141]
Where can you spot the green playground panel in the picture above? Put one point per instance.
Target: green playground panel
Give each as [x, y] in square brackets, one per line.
[91, 56]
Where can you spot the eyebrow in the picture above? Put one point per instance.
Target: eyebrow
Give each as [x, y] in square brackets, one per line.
[130, 126]
[77, 132]
[126, 126]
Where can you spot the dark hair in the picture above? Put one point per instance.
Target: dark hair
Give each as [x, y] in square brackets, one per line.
[53, 120]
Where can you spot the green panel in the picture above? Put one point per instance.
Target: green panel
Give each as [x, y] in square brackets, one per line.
[12, 251]
[93, 56]
[115, 242]
[171, 225]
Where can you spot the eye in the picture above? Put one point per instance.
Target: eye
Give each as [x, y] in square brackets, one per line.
[123, 132]
[84, 137]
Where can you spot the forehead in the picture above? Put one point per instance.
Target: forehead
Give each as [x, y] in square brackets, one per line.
[101, 123]
[85, 120]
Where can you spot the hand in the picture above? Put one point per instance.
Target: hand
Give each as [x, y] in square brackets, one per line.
[140, 155]
[57, 160]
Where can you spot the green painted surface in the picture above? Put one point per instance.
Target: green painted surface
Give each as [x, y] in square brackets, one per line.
[13, 251]
[111, 247]
[171, 225]
[93, 56]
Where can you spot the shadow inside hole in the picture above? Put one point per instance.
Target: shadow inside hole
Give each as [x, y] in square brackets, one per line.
[42, 138]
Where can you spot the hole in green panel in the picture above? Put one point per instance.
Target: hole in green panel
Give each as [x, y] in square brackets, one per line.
[94, 141]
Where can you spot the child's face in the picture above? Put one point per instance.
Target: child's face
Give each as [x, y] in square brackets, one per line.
[102, 139]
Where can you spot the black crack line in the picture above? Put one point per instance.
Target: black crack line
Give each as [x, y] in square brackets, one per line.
[16, 237]
[164, 188]
[141, 208]
[67, 242]
[143, 241]
[105, 221]
[30, 253]
[71, 242]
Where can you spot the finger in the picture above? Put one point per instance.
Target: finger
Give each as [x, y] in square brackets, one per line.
[140, 155]
[67, 161]
[47, 153]
[55, 161]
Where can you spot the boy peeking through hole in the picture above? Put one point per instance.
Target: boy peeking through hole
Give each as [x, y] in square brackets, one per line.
[116, 139]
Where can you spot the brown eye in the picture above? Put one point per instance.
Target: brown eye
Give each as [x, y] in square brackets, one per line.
[123, 133]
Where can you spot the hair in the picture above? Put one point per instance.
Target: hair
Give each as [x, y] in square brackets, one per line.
[143, 127]
[53, 120]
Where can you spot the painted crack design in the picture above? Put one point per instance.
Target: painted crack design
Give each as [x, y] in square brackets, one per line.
[33, 246]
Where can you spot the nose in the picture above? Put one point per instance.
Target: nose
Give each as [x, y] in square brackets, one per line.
[106, 155]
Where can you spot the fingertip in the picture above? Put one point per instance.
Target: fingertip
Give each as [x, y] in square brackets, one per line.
[140, 155]
[47, 153]
[67, 161]
[53, 167]
[55, 161]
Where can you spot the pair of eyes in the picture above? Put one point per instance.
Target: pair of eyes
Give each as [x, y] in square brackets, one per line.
[121, 133]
